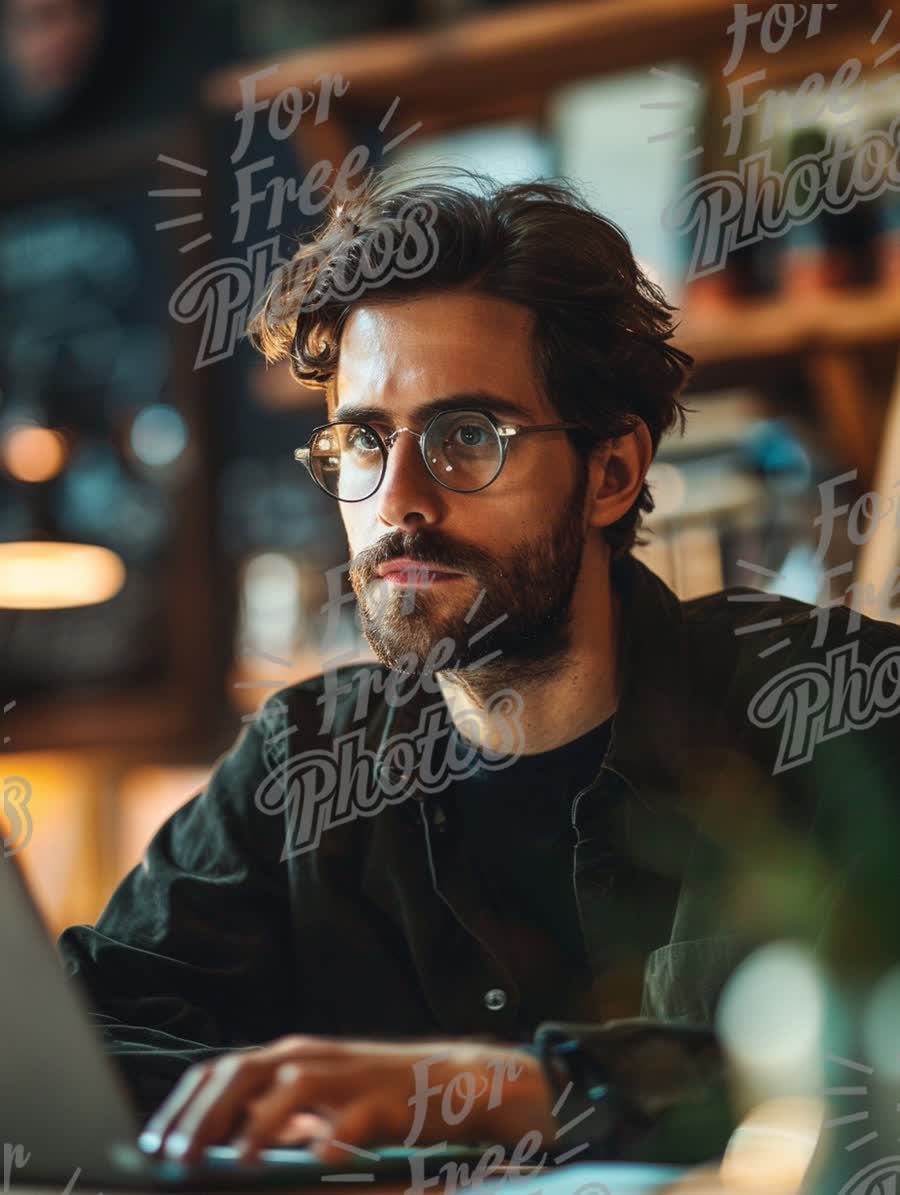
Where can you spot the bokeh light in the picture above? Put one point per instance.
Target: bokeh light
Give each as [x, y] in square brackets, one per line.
[159, 436]
[31, 453]
[881, 1026]
[771, 1019]
[48, 576]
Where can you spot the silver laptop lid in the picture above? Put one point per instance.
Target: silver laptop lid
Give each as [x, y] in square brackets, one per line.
[60, 1097]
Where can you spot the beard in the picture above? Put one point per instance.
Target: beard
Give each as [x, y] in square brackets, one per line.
[514, 621]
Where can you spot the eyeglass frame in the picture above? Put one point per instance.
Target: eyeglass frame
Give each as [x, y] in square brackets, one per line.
[504, 431]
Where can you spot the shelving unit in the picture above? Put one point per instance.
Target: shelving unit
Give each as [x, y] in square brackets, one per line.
[171, 714]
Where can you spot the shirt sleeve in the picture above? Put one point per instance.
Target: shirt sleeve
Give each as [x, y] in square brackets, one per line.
[192, 954]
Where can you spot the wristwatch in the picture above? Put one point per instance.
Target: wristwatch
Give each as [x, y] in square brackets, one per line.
[637, 1089]
[585, 1102]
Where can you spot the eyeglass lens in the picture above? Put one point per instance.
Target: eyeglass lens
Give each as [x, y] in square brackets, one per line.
[462, 450]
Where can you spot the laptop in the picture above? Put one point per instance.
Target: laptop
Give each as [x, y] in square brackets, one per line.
[67, 1119]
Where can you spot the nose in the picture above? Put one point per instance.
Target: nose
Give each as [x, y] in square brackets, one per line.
[408, 494]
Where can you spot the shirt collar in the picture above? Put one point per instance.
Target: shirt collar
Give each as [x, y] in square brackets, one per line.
[650, 731]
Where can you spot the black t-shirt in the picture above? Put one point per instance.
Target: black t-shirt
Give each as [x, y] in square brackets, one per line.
[517, 822]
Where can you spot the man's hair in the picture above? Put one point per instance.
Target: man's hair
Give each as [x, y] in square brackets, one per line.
[602, 329]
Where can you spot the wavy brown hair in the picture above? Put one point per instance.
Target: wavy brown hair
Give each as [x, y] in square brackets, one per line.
[602, 329]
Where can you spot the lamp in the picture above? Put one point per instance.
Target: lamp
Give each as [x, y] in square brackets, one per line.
[44, 575]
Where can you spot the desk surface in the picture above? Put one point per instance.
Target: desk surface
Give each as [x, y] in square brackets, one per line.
[588, 1178]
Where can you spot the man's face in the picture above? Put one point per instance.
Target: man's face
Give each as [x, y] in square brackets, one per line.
[512, 552]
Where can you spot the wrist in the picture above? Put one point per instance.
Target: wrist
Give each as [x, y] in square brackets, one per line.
[534, 1097]
[514, 1098]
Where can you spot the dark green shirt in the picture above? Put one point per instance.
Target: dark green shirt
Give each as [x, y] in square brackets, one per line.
[517, 822]
[241, 925]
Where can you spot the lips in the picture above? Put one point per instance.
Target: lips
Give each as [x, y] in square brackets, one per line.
[415, 576]
[404, 565]
[414, 572]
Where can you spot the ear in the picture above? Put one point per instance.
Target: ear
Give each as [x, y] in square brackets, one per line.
[616, 473]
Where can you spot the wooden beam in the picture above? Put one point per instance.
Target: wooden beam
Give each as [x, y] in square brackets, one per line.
[880, 554]
[841, 395]
[537, 48]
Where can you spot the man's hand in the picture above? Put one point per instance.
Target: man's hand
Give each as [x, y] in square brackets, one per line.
[317, 1090]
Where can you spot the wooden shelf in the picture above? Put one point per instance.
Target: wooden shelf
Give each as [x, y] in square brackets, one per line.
[530, 50]
[779, 327]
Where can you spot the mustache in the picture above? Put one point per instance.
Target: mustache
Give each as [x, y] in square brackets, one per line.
[430, 549]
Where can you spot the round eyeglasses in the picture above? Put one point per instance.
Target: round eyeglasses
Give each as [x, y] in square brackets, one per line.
[463, 450]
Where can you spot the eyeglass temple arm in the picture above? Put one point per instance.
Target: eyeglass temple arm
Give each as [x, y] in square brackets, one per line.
[513, 430]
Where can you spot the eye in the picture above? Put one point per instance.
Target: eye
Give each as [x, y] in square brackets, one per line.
[470, 435]
[361, 439]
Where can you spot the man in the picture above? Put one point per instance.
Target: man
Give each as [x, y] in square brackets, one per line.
[523, 843]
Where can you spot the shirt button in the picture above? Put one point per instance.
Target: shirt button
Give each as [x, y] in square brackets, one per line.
[495, 999]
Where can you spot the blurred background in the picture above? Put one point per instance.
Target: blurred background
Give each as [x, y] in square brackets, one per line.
[162, 556]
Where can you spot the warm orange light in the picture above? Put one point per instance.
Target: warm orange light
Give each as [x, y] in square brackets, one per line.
[771, 1150]
[145, 796]
[47, 576]
[33, 453]
[57, 839]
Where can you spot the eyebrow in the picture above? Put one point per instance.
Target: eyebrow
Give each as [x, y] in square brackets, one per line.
[479, 400]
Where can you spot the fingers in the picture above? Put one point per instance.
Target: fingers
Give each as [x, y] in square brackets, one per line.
[359, 1088]
[359, 1124]
[205, 1108]
[155, 1132]
[207, 1099]
[302, 1128]
[294, 1086]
